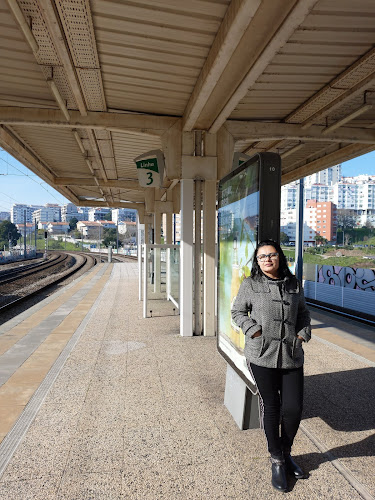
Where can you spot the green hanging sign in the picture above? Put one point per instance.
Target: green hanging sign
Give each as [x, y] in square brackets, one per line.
[150, 168]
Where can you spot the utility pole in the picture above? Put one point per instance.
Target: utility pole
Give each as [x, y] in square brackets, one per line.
[299, 232]
[45, 244]
[35, 235]
[117, 235]
[24, 235]
[100, 235]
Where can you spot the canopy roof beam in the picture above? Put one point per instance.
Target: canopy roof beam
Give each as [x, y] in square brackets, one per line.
[262, 131]
[97, 120]
[131, 185]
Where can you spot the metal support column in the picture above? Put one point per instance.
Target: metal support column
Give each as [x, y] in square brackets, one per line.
[168, 240]
[197, 260]
[186, 262]
[209, 267]
[157, 253]
[24, 235]
[299, 232]
[140, 228]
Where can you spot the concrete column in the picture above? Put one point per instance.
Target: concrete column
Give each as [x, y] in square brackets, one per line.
[197, 260]
[157, 253]
[186, 258]
[209, 274]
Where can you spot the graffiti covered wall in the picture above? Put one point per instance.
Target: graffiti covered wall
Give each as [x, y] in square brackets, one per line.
[349, 277]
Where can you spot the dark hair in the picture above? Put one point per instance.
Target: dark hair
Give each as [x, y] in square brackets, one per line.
[284, 271]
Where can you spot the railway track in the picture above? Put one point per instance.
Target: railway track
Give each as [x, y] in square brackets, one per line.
[22, 271]
[23, 295]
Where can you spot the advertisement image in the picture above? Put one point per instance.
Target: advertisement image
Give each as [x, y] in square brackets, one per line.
[238, 216]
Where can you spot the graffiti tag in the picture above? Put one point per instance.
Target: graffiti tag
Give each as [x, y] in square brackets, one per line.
[349, 277]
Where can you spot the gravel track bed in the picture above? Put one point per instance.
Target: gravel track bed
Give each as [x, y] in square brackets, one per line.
[34, 281]
[17, 309]
[20, 263]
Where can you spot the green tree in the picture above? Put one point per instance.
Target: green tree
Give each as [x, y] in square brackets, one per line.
[8, 232]
[76, 234]
[73, 223]
[110, 237]
[284, 238]
[107, 216]
[319, 239]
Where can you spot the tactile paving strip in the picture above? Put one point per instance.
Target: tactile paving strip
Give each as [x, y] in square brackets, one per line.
[14, 437]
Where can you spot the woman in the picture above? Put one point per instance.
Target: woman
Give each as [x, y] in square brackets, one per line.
[270, 309]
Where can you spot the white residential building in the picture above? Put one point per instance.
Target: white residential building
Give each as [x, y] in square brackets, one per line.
[18, 210]
[124, 214]
[49, 213]
[98, 213]
[4, 215]
[70, 211]
[289, 196]
[328, 176]
[58, 227]
[288, 224]
[319, 192]
[320, 218]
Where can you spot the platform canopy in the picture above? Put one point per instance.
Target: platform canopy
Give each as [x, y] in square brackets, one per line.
[88, 85]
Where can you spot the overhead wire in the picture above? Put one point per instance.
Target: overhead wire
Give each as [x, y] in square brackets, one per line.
[31, 178]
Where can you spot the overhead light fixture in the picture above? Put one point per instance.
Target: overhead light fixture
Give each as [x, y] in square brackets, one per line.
[18, 14]
[292, 150]
[79, 142]
[346, 119]
[89, 198]
[59, 99]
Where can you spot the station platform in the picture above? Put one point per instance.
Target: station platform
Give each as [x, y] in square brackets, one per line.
[98, 403]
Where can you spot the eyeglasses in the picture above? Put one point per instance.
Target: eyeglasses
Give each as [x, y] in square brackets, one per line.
[262, 257]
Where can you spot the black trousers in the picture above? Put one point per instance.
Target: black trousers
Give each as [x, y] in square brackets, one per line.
[281, 393]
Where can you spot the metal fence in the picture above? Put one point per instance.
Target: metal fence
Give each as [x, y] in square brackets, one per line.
[344, 287]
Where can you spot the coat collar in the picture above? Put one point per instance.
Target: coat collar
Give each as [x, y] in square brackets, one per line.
[263, 285]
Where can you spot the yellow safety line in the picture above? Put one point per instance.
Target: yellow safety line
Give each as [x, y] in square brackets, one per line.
[8, 339]
[347, 344]
[17, 391]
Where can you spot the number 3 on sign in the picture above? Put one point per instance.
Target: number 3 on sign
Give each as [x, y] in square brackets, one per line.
[150, 179]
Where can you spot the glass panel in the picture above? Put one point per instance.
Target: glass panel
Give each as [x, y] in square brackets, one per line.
[174, 275]
[309, 272]
[162, 268]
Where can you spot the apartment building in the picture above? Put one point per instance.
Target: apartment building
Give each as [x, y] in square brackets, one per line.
[124, 214]
[4, 216]
[19, 210]
[321, 217]
[98, 213]
[70, 211]
[48, 213]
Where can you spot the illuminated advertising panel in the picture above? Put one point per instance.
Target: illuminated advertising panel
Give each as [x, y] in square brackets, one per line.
[248, 212]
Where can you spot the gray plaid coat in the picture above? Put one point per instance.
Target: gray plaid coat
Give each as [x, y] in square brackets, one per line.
[281, 315]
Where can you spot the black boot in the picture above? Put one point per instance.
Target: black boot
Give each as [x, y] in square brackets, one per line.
[293, 469]
[278, 474]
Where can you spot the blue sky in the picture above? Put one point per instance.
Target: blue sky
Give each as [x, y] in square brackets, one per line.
[19, 185]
